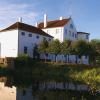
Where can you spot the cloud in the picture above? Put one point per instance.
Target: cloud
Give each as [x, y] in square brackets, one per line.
[11, 12]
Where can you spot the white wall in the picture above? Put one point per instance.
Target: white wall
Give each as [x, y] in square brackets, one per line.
[69, 33]
[29, 42]
[9, 43]
[62, 35]
[83, 37]
[53, 32]
[7, 93]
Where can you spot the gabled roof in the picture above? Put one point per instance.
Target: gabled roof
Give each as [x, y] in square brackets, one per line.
[54, 23]
[83, 33]
[26, 27]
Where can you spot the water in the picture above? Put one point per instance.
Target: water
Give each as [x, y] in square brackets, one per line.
[10, 90]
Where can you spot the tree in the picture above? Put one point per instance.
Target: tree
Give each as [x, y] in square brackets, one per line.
[55, 48]
[94, 52]
[35, 51]
[80, 48]
[96, 44]
[43, 46]
[65, 48]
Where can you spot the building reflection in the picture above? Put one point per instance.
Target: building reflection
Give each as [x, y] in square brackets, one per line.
[10, 92]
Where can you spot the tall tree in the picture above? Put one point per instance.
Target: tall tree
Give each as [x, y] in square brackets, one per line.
[35, 52]
[55, 48]
[95, 51]
[43, 46]
[80, 48]
[65, 48]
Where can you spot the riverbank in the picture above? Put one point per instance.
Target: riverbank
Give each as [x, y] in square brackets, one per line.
[27, 71]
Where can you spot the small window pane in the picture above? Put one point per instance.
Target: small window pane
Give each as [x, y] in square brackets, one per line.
[30, 35]
[66, 31]
[25, 50]
[75, 35]
[37, 37]
[49, 39]
[58, 31]
[23, 33]
[87, 37]
[71, 26]
[72, 34]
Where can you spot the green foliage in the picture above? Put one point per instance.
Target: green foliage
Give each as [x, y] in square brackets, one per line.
[80, 47]
[65, 47]
[54, 47]
[96, 45]
[23, 61]
[43, 46]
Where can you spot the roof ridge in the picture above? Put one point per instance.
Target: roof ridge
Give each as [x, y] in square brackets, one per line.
[56, 20]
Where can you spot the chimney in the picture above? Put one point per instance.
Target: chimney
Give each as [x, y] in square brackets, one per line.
[36, 25]
[20, 19]
[45, 20]
[61, 18]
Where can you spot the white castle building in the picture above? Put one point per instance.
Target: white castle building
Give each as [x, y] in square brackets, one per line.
[20, 38]
[62, 29]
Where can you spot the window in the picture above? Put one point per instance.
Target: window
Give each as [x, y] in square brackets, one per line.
[87, 36]
[86, 57]
[69, 33]
[66, 31]
[30, 35]
[23, 33]
[23, 92]
[37, 37]
[25, 50]
[48, 31]
[72, 34]
[75, 35]
[49, 39]
[44, 38]
[71, 26]
[58, 30]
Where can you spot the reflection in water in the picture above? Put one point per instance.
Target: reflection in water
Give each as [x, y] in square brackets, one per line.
[10, 90]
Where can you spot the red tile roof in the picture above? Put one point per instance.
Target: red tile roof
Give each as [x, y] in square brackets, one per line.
[55, 23]
[26, 27]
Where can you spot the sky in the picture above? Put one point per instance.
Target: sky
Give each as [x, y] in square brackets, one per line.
[85, 13]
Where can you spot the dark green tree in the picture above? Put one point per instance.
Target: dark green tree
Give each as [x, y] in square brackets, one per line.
[80, 48]
[35, 52]
[43, 46]
[94, 52]
[65, 48]
[55, 48]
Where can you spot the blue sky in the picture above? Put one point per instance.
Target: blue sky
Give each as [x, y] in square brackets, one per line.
[85, 13]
